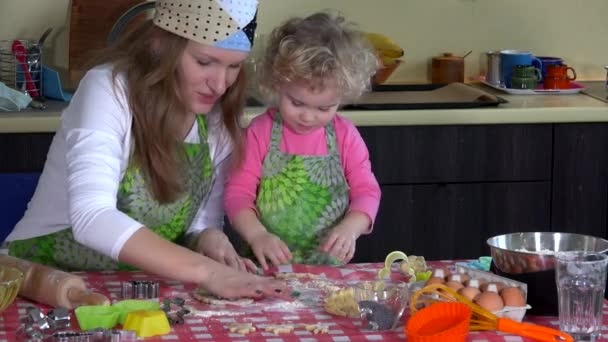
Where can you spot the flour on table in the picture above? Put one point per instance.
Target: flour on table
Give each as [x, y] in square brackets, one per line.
[291, 275]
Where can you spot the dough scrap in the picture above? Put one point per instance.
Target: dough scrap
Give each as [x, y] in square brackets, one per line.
[279, 328]
[241, 328]
[204, 296]
[317, 328]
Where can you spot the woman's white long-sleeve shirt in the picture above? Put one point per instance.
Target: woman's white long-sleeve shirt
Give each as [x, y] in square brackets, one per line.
[86, 162]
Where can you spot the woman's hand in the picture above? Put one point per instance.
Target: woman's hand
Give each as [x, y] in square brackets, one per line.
[269, 246]
[215, 244]
[229, 283]
[342, 239]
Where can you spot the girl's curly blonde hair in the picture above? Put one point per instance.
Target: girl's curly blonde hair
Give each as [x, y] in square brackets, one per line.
[322, 46]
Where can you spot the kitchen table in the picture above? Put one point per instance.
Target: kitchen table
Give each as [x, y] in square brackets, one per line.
[209, 323]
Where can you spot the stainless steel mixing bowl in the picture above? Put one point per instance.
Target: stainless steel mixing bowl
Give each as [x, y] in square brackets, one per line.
[517, 253]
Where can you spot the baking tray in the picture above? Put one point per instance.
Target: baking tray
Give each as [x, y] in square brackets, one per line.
[575, 88]
[425, 96]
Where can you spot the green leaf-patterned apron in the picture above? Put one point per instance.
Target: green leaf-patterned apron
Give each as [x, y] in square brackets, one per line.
[301, 197]
[170, 221]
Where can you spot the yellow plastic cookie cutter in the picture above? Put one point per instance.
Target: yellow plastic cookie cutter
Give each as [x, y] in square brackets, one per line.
[390, 259]
[413, 265]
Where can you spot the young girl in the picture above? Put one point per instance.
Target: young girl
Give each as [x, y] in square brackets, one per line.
[305, 191]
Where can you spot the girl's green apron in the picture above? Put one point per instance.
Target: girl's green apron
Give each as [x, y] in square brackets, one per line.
[301, 198]
[170, 221]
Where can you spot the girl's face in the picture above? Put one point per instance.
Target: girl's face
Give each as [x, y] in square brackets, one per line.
[205, 72]
[304, 108]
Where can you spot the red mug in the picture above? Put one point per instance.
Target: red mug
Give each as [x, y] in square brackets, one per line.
[557, 77]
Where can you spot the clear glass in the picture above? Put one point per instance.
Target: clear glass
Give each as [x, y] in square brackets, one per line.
[581, 280]
[382, 304]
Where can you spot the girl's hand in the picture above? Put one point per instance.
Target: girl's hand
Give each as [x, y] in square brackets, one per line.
[342, 239]
[269, 246]
[215, 244]
[340, 243]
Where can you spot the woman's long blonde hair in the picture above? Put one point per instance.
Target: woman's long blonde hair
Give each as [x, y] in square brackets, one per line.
[148, 57]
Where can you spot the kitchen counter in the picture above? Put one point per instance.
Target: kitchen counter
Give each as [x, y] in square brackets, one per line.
[519, 109]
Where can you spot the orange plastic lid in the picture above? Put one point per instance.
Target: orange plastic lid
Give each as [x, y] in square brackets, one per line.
[444, 321]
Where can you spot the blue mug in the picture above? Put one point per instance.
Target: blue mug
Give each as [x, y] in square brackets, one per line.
[510, 58]
[546, 61]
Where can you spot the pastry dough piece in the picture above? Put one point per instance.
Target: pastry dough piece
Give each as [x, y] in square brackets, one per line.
[342, 303]
[280, 328]
[202, 295]
[241, 328]
[317, 328]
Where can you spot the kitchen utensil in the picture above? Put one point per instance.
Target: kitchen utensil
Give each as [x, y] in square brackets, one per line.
[510, 58]
[381, 303]
[438, 322]
[52, 287]
[558, 78]
[547, 60]
[525, 77]
[20, 54]
[534, 251]
[147, 323]
[447, 68]
[529, 258]
[34, 56]
[126, 18]
[11, 279]
[481, 319]
[493, 72]
[90, 23]
[581, 280]
[97, 316]
[575, 88]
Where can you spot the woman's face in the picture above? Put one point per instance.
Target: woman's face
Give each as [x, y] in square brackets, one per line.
[205, 72]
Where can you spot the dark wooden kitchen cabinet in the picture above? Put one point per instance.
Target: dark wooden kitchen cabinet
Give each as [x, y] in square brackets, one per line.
[580, 178]
[446, 221]
[454, 154]
[446, 188]
[24, 152]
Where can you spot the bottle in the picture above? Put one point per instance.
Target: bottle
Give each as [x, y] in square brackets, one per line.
[53, 287]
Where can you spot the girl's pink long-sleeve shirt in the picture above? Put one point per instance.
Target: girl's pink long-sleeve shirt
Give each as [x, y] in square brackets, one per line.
[242, 184]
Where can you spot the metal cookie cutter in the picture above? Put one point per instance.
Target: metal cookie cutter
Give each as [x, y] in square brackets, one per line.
[140, 289]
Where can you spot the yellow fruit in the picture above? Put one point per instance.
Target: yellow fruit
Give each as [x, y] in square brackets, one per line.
[385, 46]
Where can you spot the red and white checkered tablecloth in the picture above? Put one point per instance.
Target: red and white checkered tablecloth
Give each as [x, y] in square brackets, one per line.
[211, 322]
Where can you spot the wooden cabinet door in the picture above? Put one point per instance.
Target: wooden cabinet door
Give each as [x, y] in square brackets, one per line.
[24, 152]
[454, 154]
[453, 221]
[580, 179]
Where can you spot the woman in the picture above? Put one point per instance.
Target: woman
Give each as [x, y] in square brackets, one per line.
[139, 160]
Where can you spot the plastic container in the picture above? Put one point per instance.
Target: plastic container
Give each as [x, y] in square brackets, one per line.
[147, 323]
[97, 316]
[127, 306]
[382, 303]
[514, 313]
[439, 322]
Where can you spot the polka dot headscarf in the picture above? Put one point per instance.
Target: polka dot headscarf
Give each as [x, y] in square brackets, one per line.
[228, 24]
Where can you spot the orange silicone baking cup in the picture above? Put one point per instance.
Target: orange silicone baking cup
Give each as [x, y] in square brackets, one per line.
[446, 321]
